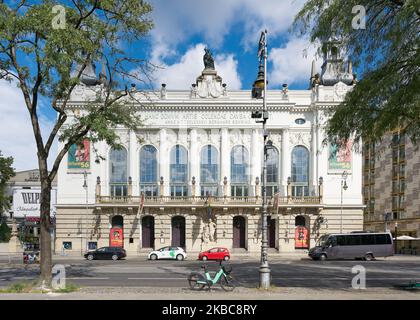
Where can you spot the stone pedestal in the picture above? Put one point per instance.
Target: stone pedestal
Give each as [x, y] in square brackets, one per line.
[14, 242]
[208, 245]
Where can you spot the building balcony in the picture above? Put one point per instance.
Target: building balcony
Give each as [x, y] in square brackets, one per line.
[192, 201]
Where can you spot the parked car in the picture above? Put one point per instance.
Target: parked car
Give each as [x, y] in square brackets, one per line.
[168, 253]
[218, 253]
[114, 253]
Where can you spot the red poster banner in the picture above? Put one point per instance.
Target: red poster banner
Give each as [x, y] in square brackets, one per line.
[301, 238]
[116, 237]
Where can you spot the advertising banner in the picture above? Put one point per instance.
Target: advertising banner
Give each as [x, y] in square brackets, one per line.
[339, 159]
[116, 237]
[301, 238]
[26, 202]
[79, 155]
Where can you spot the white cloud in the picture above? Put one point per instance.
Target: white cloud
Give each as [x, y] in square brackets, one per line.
[176, 21]
[16, 135]
[292, 63]
[182, 74]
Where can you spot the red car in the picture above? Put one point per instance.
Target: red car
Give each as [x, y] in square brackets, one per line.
[214, 254]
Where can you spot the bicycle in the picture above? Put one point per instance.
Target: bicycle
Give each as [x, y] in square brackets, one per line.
[199, 280]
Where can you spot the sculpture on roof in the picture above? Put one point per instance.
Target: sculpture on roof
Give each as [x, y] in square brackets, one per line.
[208, 59]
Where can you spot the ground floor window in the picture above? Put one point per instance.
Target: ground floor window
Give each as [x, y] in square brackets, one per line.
[92, 245]
[67, 245]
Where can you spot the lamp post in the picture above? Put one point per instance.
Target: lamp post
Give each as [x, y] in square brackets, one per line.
[85, 186]
[396, 237]
[259, 90]
[343, 187]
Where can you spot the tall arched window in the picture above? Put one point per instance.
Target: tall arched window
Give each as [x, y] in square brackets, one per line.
[209, 170]
[179, 171]
[118, 172]
[272, 171]
[148, 171]
[239, 170]
[300, 171]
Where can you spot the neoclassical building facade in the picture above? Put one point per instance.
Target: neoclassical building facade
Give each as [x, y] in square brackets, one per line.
[191, 176]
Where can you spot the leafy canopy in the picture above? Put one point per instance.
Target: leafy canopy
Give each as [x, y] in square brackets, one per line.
[40, 49]
[386, 52]
[6, 172]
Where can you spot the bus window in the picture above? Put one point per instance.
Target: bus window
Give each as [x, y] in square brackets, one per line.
[368, 239]
[341, 240]
[382, 239]
[353, 240]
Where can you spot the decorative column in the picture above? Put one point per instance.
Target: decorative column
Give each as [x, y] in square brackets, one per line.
[194, 161]
[314, 171]
[225, 162]
[285, 160]
[133, 164]
[163, 162]
[256, 157]
[98, 189]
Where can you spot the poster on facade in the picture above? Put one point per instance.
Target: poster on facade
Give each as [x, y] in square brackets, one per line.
[26, 203]
[339, 159]
[116, 237]
[79, 155]
[301, 238]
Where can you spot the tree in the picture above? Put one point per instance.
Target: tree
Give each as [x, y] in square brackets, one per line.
[6, 172]
[386, 52]
[5, 232]
[41, 44]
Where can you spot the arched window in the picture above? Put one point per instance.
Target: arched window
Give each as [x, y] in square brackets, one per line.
[300, 171]
[148, 171]
[239, 170]
[272, 171]
[179, 171]
[118, 172]
[209, 170]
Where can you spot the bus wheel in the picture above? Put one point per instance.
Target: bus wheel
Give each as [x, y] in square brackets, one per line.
[369, 257]
[323, 257]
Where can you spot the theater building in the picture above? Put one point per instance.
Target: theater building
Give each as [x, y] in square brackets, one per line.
[194, 178]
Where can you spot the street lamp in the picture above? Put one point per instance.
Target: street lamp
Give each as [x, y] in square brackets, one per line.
[343, 187]
[259, 91]
[85, 186]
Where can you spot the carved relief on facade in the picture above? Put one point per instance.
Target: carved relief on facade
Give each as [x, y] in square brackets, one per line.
[300, 138]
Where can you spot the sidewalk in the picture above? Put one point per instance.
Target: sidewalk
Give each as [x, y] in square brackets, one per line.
[286, 293]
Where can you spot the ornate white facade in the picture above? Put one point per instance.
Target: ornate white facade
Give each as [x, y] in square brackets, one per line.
[209, 114]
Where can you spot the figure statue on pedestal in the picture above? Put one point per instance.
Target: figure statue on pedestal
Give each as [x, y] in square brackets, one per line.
[206, 234]
[208, 59]
[212, 229]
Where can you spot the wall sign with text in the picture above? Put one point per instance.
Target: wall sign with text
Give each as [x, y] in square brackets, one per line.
[79, 155]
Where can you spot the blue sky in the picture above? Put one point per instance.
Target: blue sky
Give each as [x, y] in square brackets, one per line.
[230, 28]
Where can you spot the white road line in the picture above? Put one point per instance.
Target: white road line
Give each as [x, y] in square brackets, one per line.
[87, 278]
[157, 278]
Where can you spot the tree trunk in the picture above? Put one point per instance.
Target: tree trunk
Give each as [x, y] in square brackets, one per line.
[45, 235]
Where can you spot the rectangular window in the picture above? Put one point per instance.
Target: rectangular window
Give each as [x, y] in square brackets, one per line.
[382, 239]
[353, 240]
[92, 245]
[368, 239]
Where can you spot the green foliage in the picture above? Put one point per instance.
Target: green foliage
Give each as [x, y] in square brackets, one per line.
[5, 232]
[68, 288]
[6, 172]
[387, 53]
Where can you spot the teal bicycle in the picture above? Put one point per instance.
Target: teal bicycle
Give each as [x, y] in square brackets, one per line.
[199, 280]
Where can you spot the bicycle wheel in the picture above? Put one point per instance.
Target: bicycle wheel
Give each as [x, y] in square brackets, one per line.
[227, 283]
[193, 279]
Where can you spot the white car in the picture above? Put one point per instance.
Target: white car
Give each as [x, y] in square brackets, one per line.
[168, 253]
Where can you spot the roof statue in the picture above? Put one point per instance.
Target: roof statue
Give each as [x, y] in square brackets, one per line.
[208, 59]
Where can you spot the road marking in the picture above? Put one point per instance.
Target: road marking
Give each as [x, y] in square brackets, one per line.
[87, 278]
[157, 278]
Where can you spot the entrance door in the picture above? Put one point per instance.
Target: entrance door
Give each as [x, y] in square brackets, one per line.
[271, 225]
[148, 232]
[239, 232]
[178, 232]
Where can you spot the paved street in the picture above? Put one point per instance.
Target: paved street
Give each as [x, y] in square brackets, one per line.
[286, 272]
